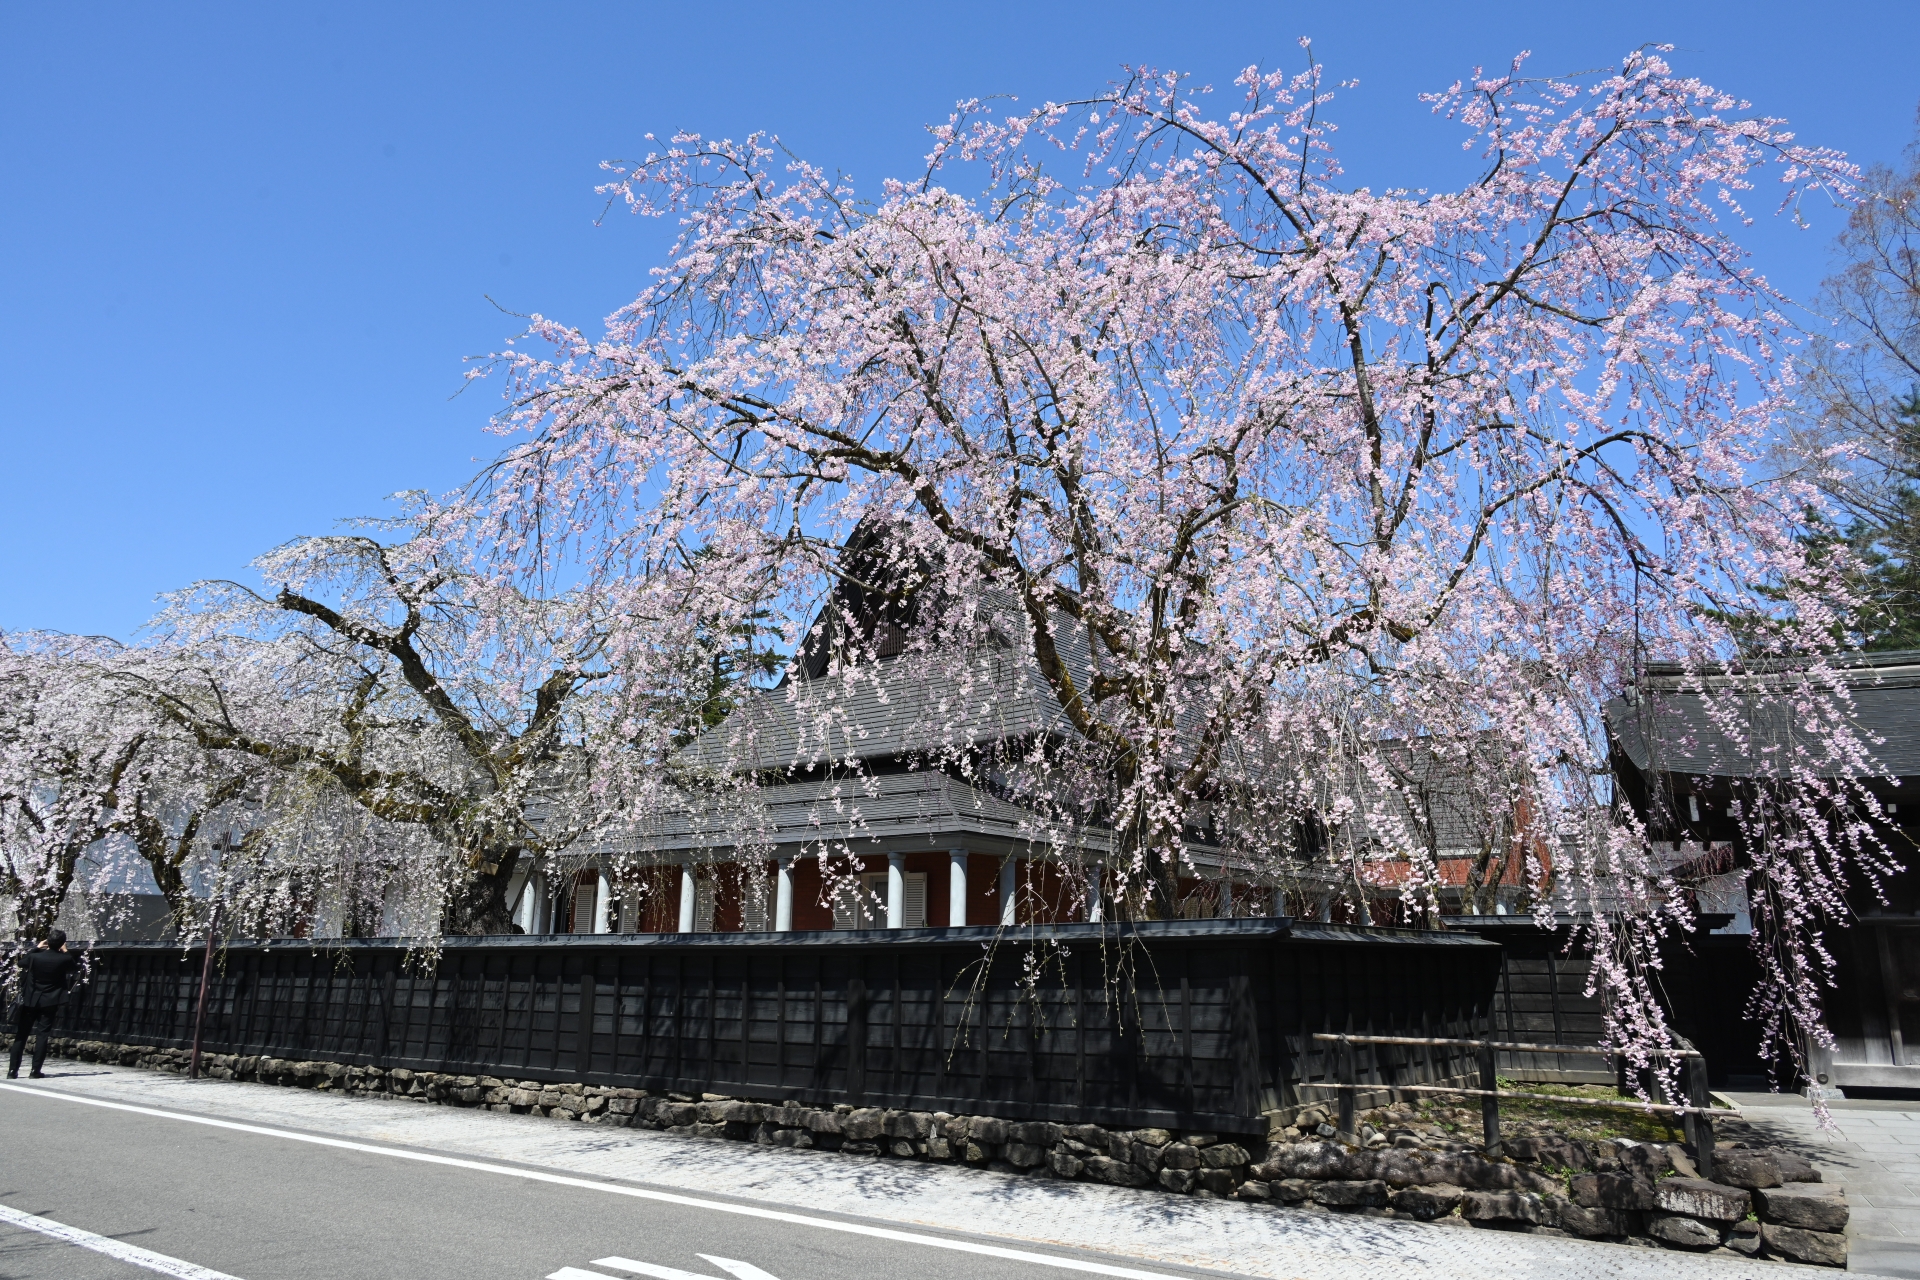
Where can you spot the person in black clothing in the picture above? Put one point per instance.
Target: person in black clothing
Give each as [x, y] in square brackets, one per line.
[46, 973]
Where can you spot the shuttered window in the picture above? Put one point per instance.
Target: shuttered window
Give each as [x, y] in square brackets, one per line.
[753, 908]
[914, 916]
[586, 896]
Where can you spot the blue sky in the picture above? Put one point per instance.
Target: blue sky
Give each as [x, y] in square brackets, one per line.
[243, 250]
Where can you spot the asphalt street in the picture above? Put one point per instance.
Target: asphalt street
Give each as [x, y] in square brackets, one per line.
[259, 1203]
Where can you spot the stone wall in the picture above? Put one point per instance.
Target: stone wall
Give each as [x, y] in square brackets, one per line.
[1765, 1203]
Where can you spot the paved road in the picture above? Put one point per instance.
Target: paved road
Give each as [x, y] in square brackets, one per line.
[215, 1181]
[265, 1203]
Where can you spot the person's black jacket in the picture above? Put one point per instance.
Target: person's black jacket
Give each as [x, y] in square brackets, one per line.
[45, 978]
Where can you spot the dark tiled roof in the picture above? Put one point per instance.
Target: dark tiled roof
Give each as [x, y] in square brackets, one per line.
[924, 806]
[898, 706]
[1666, 726]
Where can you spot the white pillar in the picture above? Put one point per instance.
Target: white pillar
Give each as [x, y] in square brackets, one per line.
[1226, 898]
[1326, 908]
[1097, 893]
[687, 891]
[602, 903]
[1009, 884]
[783, 898]
[957, 887]
[1279, 902]
[523, 904]
[896, 890]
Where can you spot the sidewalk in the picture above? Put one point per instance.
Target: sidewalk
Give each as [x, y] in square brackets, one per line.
[1218, 1236]
[1875, 1156]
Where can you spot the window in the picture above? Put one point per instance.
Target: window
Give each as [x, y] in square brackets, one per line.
[866, 906]
[753, 908]
[586, 897]
[915, 901]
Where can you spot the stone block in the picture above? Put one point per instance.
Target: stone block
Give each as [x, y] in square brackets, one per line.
[1219, 1181]
[1427, 1202]
[987, 1131]
[863, 1125]
[1179, 1181]
[824, 1122]
[1291, 1190]
[1551, 1150]
[1116, 1173]
[1152, 1137]
[1024, 1155]
[1369, 1194]
[1685, 1232]
[1806, 1205]
[1254, 1191]
[1648, 1159]
[1744, 1237]
[1065, 1165]
[1622, 1191]
[1182, 1156]
[1819, 1247]
[1225, 1155]
[1503, 1206]
[1036, 1133]
[1794, 1167]
[1148, 1157]
[1594, 1224]
[1321, 1161]
[1698, 1198]
[1746, 1168]
[1091, 1135]
[915, 1126]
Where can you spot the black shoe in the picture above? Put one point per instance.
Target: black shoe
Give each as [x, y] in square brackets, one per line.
[13, 1075]
[36, 1075]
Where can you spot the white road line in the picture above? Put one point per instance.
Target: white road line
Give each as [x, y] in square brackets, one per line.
[612, 1188]
[738, 1270]
[653, 1270]
[112, 1248]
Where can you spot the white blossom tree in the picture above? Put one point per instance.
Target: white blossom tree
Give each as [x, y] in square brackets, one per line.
[381, 674]
[70, 760]
[1266, 476]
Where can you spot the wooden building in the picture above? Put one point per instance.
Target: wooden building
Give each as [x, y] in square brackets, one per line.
[1684, 777]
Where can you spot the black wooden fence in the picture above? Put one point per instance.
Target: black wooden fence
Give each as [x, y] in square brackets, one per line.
[1181, 1024]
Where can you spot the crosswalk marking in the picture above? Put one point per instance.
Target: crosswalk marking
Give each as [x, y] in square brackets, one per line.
[738, 1270]
[139, 1257]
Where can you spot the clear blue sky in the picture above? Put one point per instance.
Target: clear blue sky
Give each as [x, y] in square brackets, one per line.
[244, 249]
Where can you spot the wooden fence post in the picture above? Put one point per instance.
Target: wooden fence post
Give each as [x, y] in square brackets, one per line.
[1348, 1129]
[1489, 1104]
[1699, 1122]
